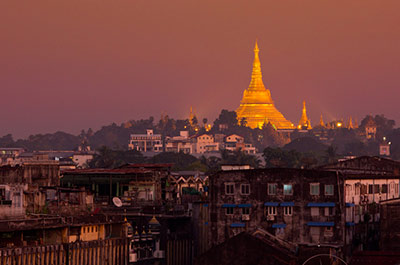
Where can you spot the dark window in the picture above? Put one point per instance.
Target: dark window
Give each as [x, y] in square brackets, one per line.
[370, 188]
[229, 189]
[384, 188]
[245, 189]
[229, 210]
[272, 189]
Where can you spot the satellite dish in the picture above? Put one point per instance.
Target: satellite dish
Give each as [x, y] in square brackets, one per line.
[117, 202]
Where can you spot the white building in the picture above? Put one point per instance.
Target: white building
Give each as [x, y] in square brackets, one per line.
[236, 142]
[148, 142]
[182, 143]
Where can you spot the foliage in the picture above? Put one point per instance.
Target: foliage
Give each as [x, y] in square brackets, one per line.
[226, 117]
[116, 137]
[180, 160]
[55, 141]
[238, 158]
[277, 157]
[108, 158]
[306, 144]
[7, 141]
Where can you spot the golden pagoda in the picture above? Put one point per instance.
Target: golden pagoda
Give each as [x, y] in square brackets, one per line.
[350, 125]
[321, 122]
[257, 106]
[304, 120]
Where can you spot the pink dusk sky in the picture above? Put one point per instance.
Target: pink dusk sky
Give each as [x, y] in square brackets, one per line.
[70, 65]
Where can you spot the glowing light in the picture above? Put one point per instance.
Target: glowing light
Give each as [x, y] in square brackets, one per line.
[339, 124]
[257, 105]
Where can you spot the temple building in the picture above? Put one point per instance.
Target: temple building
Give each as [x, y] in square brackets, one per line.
[304, 122]
[257, 106]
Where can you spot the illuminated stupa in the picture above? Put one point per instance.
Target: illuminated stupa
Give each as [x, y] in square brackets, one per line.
[304, 122]
[257, 106]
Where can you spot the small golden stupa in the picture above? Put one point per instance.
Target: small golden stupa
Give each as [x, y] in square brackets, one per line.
[257, 106]
[304, 122]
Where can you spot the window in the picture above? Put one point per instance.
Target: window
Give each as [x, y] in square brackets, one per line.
[370, 188]
[272, 189]
[314, 211]
[396, 188]
[245, 189]
[329, 189]
[229, 210]
[384, 188]
[288, 210]
[287, 189]
[245, 211]
[229, 188]
[357, 189]
[328, 211]
[271, 210]
[364, 189]
[314, 188]
[328, 231]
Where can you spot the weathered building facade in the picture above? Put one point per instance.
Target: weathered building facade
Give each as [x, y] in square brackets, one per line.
[368, 181]
[304, 207]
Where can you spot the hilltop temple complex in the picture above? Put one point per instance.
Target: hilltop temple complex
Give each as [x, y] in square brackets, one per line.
[257, 106]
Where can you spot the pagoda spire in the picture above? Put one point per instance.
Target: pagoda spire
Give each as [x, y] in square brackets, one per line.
[256, 83]
[304, 120]
[321, 122]
[350, 124]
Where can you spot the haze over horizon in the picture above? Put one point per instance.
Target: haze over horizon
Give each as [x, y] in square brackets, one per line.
[71, 65]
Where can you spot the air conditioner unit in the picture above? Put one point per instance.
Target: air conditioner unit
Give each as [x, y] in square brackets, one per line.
[270, 218]
[245, 217]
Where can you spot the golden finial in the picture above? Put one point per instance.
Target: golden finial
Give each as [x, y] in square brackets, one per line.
[256, 49]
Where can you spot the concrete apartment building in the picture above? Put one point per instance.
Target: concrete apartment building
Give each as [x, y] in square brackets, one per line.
[304, 207]
[148, 142]
[182, 143]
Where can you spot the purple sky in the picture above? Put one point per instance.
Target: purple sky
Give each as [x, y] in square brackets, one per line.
[73, 64]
